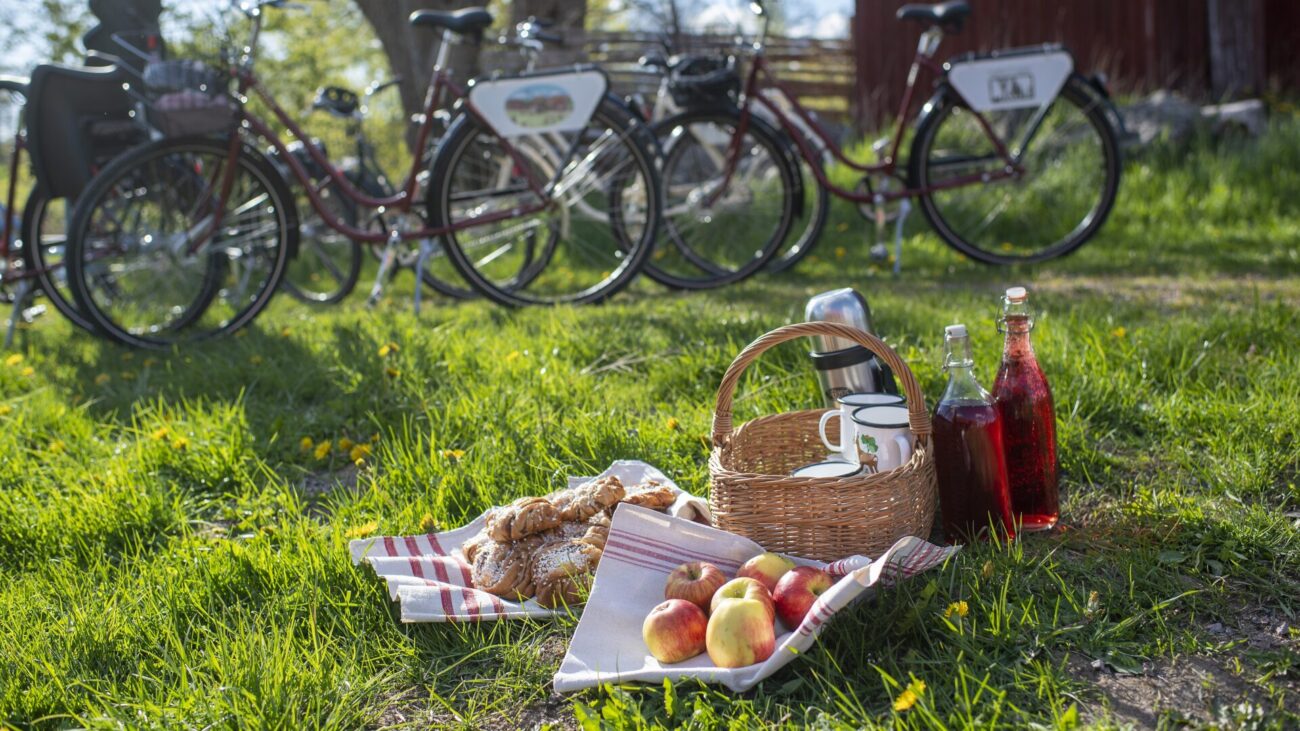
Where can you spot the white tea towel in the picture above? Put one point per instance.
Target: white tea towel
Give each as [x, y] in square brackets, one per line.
[428, 576]
[645, 546]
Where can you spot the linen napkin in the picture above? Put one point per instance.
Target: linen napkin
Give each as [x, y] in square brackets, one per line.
[428, 577]
[645, 546]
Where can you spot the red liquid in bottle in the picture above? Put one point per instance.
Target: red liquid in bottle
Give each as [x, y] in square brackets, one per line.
[1024, 401]
[972, 470]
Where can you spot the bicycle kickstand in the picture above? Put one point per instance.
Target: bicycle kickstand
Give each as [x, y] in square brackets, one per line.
[904, 208]
[25, 290]
[385, 264]
[426, 248]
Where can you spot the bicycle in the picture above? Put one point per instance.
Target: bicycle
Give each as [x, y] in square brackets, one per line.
[211, 215]
[1015, 157]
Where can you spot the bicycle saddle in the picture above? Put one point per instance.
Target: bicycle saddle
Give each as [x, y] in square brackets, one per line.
[470, 21]
[949, 14]
[336, 100]
[654, 60]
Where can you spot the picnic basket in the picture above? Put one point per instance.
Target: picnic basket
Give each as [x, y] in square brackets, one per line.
[752, 493]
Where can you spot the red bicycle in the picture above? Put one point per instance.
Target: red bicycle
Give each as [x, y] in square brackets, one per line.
[1015, 157]
[187, 237]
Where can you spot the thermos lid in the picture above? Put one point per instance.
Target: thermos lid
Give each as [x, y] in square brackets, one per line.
[844, 306]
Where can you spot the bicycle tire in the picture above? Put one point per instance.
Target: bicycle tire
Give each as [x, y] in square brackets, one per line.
[1093, 108]
[307, 246]
[713, 275]
[35, 252]
[454, 146]
[817, 212]
[218, 262]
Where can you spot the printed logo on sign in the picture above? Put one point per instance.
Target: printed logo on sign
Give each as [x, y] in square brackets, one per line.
[539, 105]
[1012, 88]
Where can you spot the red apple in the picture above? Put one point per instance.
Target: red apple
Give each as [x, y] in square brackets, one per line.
[694, 582]
[675, 630]
[767, 568]
[740, 633]
[796, 592]
[744, 588]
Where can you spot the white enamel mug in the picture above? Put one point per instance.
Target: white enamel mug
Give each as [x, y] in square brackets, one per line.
[883, 436]
[849, 403]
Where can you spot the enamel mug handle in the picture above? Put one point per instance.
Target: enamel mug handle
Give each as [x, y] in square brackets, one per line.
[821, 429]
[904, 448]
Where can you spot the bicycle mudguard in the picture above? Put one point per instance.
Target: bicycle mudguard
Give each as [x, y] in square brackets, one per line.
[1017, 78]
[547, 101]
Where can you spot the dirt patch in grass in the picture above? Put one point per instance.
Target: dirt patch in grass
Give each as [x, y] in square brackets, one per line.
[552, 712]
[410, 708]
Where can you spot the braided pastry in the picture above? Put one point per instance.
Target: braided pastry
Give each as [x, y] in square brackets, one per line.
[584, 501]
[562, 571]
[524, 517]
[475, 544]
[651, 494]
[505, 569]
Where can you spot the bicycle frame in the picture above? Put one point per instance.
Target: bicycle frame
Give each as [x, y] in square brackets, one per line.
[440, 83]
[760, 79]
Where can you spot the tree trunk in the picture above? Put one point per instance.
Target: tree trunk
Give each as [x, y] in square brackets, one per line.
[411, 51]
[1236, 46]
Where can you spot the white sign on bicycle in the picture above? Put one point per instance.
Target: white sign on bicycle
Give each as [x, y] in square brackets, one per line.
[1018, 81]
[540, 103]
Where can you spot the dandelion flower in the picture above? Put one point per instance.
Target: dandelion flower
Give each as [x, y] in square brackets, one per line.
[841, 252]
[359, 453]
[180, 443]
[388, 349]
[512, 356]
[345, 444]
[306, 443]
[255, 360]
[126, 376]
[1118, 332]
[910, 695]
[673, 424]
[392, 372]
[363, 530]
[455, 454]
[128, 357]
[6, 409]
[28, 371]
[149, 362]
[57, 446]
[323, 449]
[961, 609]
[285, 332]
[14, 359]
[374, 438]
[428, 524]
[102, 378]
[159, 433]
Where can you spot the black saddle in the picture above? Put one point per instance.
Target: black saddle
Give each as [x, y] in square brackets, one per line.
[466, 22]
[949, 15]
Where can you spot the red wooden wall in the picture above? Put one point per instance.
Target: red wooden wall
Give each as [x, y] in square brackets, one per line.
[1140, 45]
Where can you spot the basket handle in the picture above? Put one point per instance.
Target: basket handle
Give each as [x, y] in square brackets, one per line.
[918, 416]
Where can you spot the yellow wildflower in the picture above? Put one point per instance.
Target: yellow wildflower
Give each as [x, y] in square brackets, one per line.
[180, 443]
[126, 376]
[57, 446]
[306, 443]
[285, 332]
[28, 371]
[960, 608]
[255, 360]
[323, 449]
[345, 444]
[453, 453]
[428, 524]
[392, 372]
[359, 453]
[673, 424]
[841, 252]
[1118, 332]
[910, 695]
[374, 438]
[842, 227]
[127, 357]
[987, 570]
[387, 349]
[149, 362]
[512, 355]
[159, 433]
[361, 531]
[14, 359]
[6, 409]
[102, 378]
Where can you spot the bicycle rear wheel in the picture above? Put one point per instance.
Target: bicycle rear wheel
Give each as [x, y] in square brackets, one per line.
[720, 225]
[45, 249]
[153, 259]
[328, 263]
[595, 226]
[816, 210]
[1071, 162]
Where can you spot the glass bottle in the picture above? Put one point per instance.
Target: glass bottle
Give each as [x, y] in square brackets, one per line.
[968, 453]
[1024, 402]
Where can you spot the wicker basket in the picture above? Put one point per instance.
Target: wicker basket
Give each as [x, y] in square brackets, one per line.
[754, 495]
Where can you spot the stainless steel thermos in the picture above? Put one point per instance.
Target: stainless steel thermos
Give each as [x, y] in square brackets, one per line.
[844, 367]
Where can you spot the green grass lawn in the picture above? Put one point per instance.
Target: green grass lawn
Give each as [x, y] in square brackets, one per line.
[171, 557]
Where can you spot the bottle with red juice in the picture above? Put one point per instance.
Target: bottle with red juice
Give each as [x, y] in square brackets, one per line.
[968, 454]
[1024, 402]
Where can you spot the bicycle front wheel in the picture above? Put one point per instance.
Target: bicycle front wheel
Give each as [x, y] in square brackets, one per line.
[728, 200]
[1070, 160]
[594, 209]
[156, 259]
